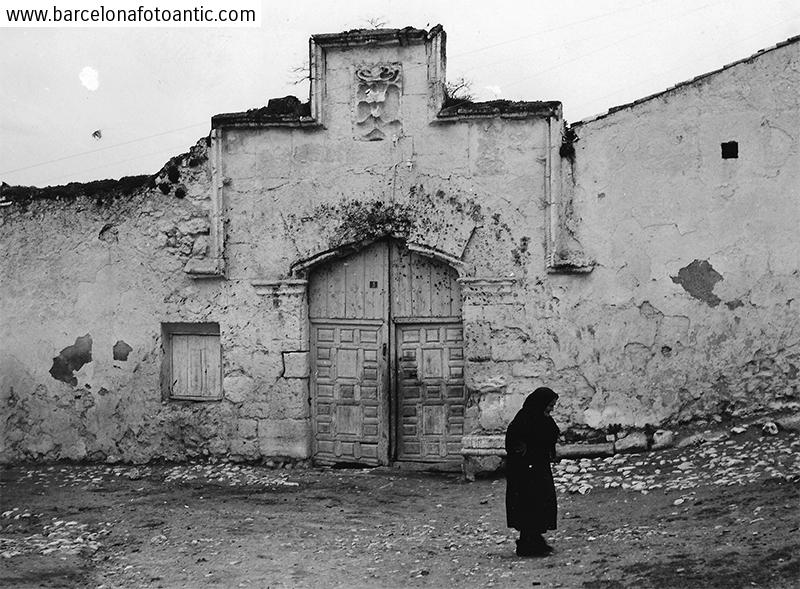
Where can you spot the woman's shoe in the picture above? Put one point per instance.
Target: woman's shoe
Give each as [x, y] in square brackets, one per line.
[539, 543]
[529, 550]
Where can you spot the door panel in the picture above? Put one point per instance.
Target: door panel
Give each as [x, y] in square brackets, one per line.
[355, 287]
[430, 389]
[421, 286]
[348, 392]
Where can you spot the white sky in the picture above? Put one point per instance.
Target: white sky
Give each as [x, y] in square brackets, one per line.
[156, 89]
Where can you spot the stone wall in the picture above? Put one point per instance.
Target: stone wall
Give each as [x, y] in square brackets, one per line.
[473, 193]
[87, 283]
[691, 309]
[227, 241]
[471, 185]
[643, 277]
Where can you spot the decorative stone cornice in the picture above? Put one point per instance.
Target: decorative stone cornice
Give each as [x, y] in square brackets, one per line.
[505, 109]
[290, 287]
[569, 263]
[205, 267]
[496, 291]
[357, 37]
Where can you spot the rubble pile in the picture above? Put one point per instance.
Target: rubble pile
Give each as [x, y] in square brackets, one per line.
[64, 537]
[83, 476]
[229, 474]
[93, 477]
[712, 462]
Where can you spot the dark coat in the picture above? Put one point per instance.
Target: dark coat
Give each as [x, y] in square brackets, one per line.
[530, 448]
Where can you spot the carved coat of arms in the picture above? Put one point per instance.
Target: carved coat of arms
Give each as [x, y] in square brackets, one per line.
[378, 100]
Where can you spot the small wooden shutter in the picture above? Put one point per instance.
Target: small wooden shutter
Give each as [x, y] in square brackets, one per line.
[196, 366]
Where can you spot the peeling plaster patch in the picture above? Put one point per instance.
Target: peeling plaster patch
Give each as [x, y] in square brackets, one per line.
[734, 304]
[649, 311]
[109, 233]
[121, 351]
[72, 358]
[698, 279]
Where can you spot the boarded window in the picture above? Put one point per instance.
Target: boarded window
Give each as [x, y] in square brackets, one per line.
[192, 361]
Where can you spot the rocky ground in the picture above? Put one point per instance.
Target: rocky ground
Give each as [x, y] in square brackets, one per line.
[723, 512]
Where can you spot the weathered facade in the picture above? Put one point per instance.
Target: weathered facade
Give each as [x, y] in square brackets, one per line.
[689, 204]
[374, 274]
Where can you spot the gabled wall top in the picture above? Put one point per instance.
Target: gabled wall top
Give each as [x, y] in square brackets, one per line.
[366, 79]
[378, 84]
[373, 79]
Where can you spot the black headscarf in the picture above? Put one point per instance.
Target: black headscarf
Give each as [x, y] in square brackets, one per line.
[532, 427]
[537, 401]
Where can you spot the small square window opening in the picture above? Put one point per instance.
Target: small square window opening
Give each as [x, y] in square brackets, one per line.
[730, 150]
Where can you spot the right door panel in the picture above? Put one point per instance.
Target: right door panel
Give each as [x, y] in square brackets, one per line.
[430, 387]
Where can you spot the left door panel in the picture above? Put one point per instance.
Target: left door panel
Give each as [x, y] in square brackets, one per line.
[348, 309]
[348, 396]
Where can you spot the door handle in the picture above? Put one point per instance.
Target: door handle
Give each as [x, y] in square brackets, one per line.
[383, 350]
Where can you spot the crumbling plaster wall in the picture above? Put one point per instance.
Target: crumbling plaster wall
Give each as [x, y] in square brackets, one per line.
[472, 190]
[97, 277]
[107, 275]
[692, 308]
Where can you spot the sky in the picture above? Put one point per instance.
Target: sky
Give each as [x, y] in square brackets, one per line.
[151, 92]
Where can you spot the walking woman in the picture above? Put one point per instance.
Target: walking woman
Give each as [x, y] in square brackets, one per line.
[530, 494]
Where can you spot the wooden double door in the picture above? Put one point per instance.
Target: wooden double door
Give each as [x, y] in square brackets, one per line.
[387, 374]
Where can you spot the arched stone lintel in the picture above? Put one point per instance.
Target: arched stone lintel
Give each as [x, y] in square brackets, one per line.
[301, 266]
[454, 261]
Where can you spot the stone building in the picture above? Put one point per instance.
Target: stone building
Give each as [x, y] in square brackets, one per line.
[374, 274]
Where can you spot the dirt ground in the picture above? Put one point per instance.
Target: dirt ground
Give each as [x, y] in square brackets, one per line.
[721, 514]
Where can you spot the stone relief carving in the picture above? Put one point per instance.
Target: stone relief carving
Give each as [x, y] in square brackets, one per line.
[378, 92]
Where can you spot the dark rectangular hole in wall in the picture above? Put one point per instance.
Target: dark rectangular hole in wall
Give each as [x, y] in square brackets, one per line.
[730, 150]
